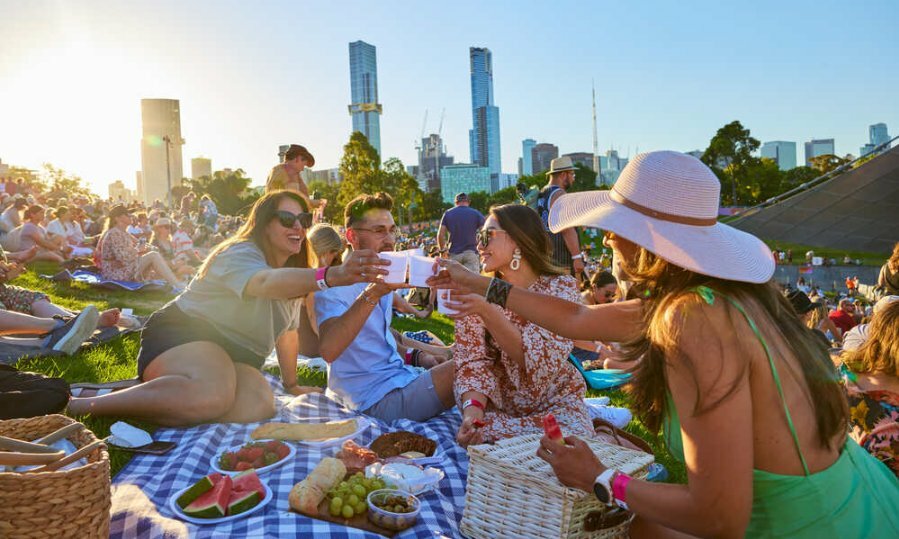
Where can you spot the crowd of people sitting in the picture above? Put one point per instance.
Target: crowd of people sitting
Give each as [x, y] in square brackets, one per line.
[785, 414]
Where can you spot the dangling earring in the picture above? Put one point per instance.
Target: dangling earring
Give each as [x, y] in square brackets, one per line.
[516, 260]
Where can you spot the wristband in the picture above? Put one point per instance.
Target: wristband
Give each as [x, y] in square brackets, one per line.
[619, 490]
[321, 280]
[407, 358]
[473, 402]
[498, 292]
[578, 256]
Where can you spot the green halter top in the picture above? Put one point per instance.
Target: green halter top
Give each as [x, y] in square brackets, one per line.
[857, 496]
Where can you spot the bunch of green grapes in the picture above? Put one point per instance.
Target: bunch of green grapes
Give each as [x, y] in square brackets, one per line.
[348, 498]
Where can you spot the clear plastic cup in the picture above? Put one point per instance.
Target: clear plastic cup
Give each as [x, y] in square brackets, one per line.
[399, 260]
[420, 269]
[444, 295]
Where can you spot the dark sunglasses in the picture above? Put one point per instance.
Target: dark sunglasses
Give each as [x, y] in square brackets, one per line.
[486, 234]
[287, 219]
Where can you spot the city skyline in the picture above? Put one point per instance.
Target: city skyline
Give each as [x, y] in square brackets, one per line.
[70, 87]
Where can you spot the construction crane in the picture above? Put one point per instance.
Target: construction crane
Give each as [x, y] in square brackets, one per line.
[424, 124]
[437, 149]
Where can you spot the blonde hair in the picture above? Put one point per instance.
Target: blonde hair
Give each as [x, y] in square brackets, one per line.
[894, 259]
[880, 352]
[817, 315]
[323, 239]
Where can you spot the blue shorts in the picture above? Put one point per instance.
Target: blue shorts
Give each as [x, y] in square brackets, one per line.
[417, 401]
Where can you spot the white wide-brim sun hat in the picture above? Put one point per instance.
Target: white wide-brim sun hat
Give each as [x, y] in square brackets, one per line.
[667, 203]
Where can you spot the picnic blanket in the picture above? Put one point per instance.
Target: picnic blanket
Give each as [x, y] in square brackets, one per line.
[141, 491]
[96, 280]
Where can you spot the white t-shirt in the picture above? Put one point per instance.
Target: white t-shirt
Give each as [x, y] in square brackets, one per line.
[181, 242]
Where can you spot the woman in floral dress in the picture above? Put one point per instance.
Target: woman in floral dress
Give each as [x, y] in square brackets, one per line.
[871, 376]
[119, 258]
[510, 373]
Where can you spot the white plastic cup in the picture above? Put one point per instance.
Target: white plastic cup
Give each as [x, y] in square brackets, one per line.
[444, 295]
[399, 260]
[420, 269]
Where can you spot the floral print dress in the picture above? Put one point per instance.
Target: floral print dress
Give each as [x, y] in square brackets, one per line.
[118, 256]
[519, 398]
[874, 420]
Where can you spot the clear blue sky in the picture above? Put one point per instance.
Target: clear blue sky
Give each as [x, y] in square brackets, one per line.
[252, 75]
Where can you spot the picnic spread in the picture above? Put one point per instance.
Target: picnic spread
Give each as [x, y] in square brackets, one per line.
[269, 479]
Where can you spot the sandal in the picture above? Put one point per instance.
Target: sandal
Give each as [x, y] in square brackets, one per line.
[622, 438]
[103, 388]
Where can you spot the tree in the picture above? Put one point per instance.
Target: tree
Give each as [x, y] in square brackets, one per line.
[479, 200]
[797, 176]
[62, 184]
[228, 189]
[827, 162]
[730, 155]
[431, 206]
[584, 179]
[360, 167]
[333, 211]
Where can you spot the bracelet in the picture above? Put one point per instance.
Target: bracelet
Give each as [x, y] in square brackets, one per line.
[578, 256]
[367, 299]
[619, 489]
[473, 402]
[415, 357]
[321, 278]
[498, 292]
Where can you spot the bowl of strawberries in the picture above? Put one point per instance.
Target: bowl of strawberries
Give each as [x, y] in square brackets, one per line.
[261, 455]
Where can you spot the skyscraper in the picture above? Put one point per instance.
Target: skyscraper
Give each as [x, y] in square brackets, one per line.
[160, 146]
[199, 167]
[816, 147]
[541, 156]
[782, 152]
[364, 108]
[877, 135]
[484, 135]
[431, 160]
[527, 164]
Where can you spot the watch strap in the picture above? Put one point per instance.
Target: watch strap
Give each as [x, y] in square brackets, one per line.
[604, 481]
[320, 278]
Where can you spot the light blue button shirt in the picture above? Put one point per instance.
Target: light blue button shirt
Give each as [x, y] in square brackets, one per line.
[370, 367]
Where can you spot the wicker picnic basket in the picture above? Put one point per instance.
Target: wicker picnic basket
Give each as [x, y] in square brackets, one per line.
[57, 504]
[511, 492]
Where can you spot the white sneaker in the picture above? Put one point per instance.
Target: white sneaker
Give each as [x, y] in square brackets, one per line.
[619, 417]
[598, 401]
[69, 337]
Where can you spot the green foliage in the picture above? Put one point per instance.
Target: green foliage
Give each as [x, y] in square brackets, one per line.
[826, 163]
[228, 189]
[360, 167]
[329, 192]
[730, 155]
[797, 176]
[584, 179]
[61, 183]
[431, 207]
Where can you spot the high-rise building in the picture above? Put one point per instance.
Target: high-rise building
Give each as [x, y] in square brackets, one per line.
[119, 193]
[584, 158]
[431, 160]
[364, 108]
[527, 164]
[782, 152]
[329, 176]
[484, 136]
[816, 147]
[4, 169]
[877, 135]
[464, 178]
[611, 165]
[199, 167]
[541, 156]
[161, 164]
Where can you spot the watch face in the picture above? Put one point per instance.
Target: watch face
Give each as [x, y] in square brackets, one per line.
[601, 493]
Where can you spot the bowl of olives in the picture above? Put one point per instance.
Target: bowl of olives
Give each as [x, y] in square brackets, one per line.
[393, 509]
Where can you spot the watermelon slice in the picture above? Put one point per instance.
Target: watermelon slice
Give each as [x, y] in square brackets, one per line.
[248, 481]
[198, 489]
[552, 430]
[241, 501]
[212, 504]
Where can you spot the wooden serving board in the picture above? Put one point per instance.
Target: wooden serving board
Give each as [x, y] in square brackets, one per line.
[358, 521]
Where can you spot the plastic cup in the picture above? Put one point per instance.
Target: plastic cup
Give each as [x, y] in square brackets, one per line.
[397, 268]
[420, 269]
[444, 295]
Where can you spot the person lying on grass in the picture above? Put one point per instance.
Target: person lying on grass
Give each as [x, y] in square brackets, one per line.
[201, 353]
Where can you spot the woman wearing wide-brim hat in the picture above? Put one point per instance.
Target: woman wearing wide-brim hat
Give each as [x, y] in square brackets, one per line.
[747, 395]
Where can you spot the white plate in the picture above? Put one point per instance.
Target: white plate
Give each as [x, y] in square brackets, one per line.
[215, 460]
[361, 425]
[173, 505]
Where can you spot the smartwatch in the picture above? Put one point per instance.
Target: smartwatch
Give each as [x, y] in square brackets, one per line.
[602, 486]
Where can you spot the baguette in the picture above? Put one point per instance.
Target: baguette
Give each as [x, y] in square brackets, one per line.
[306, 495]
[299, 432]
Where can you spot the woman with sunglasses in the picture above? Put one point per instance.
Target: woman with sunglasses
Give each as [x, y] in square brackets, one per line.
[746, 395]
[201, 354]
[510, 373]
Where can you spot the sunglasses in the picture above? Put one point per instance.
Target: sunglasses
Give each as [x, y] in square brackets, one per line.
[288, 219]
[486, 234]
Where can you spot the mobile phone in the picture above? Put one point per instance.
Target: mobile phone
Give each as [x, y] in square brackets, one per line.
[152, 448]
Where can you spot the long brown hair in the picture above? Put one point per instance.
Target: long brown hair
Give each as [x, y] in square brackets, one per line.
[261, 214]
[670, 286]
[880, 353]
[526, 229]
[894, 259]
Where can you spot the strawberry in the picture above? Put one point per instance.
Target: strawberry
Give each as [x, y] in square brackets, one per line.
[282, 451]
[273, 445]
[254, 453]
[242, 465]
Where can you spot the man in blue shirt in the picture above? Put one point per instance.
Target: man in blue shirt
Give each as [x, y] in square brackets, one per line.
[367, 370]
[461, 223]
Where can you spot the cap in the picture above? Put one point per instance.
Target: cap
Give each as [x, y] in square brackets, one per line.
[118, 210]
[800, 302]
[461, 197]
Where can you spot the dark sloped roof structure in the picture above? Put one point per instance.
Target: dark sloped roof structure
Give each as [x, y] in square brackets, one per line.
[857, 210]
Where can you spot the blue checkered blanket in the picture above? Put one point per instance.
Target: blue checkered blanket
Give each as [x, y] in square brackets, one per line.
[141, 491]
